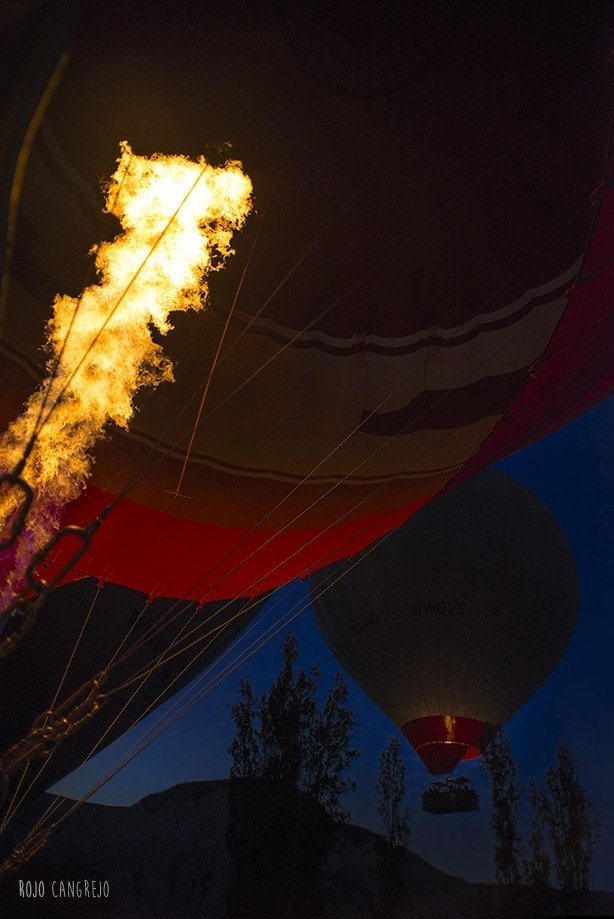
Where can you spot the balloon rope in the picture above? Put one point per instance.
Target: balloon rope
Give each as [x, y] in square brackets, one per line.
[14, 807]
[166, 658]
[76, 645]
[147, 673]
[43, 765]
[106, 669]
[165, 721]
[183, 692]
[14, 804]
[160, 662]
[127, 703]
[214, 363]
[143, 676]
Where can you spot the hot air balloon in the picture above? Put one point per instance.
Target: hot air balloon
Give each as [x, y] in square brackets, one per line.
[420, 292]
[454, 620]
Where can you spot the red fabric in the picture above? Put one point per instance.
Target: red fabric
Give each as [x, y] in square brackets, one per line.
[576, 370]
[170, 556]
[442, 741]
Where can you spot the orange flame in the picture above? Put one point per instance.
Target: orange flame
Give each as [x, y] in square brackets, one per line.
[176, 216]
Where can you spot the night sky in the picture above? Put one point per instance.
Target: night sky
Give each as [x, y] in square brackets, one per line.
[571, 472]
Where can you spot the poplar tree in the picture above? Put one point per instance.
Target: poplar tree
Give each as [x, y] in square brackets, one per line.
[574, 830]
[389, 794]
[505, 793]
[288, 776]
[537, 866]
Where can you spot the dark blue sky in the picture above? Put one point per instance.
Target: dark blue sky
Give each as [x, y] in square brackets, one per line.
[572, 472]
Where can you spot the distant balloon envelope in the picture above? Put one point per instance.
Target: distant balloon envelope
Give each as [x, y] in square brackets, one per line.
[456, 618]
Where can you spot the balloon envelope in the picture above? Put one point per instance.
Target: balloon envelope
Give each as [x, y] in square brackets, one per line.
[455, 619]
[426, 275]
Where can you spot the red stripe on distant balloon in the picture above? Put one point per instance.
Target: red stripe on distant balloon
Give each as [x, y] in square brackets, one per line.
[442, 741]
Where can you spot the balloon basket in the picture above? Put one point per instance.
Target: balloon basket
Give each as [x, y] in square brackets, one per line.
[451, 796]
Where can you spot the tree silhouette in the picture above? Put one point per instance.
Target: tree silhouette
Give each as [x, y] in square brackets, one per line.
[288, 777]
[573, 830]
[536, 868]
[328, 755]
[389, 794]
[505, 793]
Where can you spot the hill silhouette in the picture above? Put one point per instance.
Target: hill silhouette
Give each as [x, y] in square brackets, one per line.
[165, 857]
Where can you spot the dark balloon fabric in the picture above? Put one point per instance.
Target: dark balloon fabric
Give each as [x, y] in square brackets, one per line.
[455, 619]
[428, 284]
[70, 641]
